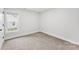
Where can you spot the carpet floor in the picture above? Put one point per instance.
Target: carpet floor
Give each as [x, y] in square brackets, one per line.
[38, 41]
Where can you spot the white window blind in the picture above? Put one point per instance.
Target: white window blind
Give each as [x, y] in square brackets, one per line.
[12, 20]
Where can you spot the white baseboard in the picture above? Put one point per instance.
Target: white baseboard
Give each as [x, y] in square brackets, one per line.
[61, 38]
[48, 34]
[21, 35]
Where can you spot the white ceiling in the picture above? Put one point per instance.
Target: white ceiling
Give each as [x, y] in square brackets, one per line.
[38, 9]
[33, 9]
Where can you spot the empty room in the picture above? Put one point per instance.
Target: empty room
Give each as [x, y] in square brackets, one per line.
[39, 28]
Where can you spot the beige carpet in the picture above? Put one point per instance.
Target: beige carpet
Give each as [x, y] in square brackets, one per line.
[38, 41]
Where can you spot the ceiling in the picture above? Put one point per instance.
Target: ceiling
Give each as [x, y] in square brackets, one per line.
[38, 9]
[33, 9]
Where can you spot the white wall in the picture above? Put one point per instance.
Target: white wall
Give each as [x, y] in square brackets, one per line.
[63, 23]
[1, 27]
[28, 23]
